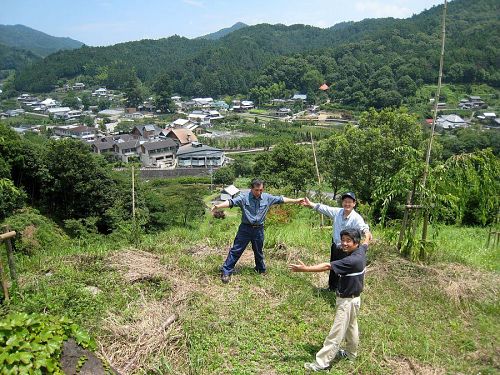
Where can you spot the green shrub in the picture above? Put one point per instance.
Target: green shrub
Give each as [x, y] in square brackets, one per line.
[33, 343]
[34, 231]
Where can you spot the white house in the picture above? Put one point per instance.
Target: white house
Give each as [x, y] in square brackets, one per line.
[100, 92]
[229, 192]
[450, 122]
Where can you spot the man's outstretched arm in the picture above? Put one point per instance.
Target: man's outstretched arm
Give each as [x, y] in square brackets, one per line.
[292, 200]
[301, 267]
[224, 204]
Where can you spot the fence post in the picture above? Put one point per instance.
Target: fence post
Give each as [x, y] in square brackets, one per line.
[6, 237]
[10, 257]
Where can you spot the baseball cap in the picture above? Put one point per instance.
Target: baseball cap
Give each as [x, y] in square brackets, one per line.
[349, 194]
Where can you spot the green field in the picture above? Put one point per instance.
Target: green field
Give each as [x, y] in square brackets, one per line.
[441, 317]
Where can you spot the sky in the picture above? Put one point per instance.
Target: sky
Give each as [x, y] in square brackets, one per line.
[107, 22]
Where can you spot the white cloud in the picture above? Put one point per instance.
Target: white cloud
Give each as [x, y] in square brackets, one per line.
[377, 9]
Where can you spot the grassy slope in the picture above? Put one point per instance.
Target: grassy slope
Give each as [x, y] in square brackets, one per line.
[443, 316]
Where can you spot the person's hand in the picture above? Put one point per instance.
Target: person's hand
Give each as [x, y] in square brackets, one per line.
[213, 208]
[306, 202]
[297, 267]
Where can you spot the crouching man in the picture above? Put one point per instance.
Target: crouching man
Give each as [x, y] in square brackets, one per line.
[351, 271]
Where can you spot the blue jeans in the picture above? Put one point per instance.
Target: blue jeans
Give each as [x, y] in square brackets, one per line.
[246, 233]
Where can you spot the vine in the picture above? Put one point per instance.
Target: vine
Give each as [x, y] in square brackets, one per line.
[32, 344]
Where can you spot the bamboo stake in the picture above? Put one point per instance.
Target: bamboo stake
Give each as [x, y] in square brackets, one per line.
[317, 173]
[4, 282]
[434, 115]
[133, 195]
[10, 255]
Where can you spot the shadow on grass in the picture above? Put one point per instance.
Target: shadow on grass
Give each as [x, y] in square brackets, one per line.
[328, 295]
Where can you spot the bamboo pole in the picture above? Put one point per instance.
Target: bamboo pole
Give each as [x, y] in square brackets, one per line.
[133, 194]
[317, 174]
[434, 115]
[4, 282]
[10, 254]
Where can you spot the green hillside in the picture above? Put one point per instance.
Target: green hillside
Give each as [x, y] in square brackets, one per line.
[392, 55]
[14, 59]
[41, 44]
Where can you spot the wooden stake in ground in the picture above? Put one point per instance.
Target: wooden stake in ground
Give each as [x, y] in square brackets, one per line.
[6, 237]
[10, 254]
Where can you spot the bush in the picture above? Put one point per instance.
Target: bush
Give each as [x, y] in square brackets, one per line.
[31, 344]
[11, 198]
[34, 231]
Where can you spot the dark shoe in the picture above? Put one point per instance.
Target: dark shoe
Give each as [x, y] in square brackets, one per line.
[225, 278]
[260, 272]
[342, 354]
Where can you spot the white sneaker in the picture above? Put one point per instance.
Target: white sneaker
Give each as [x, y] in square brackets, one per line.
[314, 367]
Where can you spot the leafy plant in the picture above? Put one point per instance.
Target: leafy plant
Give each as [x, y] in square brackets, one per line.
[32, 344]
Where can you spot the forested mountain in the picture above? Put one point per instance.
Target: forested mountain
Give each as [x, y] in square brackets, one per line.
[223, 32]
[376, 62]
[41, 44]
[13, 58]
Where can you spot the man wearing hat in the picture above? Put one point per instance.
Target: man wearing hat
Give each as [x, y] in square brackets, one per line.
[343, 218]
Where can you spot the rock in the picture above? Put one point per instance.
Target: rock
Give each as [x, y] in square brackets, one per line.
[93, 290]
[72, 353]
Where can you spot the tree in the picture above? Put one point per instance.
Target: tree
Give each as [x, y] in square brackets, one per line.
[11, 198]
[224, 175]
[286, 165]
[133, 92]
[71, 100]
[80, 185]
[360, 158]
[162, 90]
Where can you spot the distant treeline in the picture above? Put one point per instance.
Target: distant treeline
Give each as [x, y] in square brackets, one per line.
[375, 62]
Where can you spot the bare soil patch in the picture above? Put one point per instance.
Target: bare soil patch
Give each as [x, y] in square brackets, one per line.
[406, 366]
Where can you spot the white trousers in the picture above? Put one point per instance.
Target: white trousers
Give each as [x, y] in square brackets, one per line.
[345, 327]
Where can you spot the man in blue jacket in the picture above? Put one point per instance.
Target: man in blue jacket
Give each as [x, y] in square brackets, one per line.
[254, 207]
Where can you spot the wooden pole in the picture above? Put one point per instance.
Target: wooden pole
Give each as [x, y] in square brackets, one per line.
[133, 194]
[4, 282]
[434, 115]
[317, 173]
[10, 256]
[7, 238]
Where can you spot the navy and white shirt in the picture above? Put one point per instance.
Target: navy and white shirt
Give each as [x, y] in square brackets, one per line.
[254, 210]
[351, 270]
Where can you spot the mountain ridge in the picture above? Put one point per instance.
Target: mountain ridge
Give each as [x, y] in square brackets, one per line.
[223, 32]
[38, 42]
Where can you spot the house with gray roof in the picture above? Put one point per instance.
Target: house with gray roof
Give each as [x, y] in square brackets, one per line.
[150, 131]
[159, 153]
[197, 155]
[450, 122]
[126, 150]
[107, 144]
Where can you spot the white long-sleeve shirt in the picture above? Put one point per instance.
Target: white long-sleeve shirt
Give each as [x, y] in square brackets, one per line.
[353, 220]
